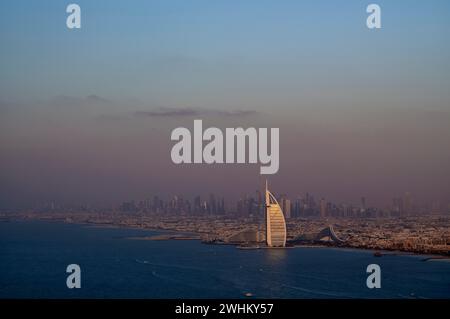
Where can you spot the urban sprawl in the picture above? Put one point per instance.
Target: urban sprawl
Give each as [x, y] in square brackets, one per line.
[402, 227]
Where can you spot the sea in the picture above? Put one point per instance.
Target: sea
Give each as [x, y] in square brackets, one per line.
[34, 256]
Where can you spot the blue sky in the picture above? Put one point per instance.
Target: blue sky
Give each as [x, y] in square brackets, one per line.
[196, 52]
[360, 112]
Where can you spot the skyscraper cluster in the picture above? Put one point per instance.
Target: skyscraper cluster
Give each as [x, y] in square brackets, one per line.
[247, 206]
[177, 205]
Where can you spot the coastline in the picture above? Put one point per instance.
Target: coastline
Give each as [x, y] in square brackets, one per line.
[174, 234]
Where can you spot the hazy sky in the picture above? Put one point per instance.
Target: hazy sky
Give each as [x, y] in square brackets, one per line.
[86, 115]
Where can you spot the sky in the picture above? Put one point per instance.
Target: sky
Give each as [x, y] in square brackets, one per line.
[86, 115]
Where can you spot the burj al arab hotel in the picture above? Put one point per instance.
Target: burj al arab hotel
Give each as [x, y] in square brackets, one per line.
[275, 223]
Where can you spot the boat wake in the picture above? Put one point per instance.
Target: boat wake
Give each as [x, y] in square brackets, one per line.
[319, 292]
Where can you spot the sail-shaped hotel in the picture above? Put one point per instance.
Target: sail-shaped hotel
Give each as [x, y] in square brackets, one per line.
[275, 223]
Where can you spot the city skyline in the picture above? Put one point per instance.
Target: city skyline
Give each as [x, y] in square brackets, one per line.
[248, 205]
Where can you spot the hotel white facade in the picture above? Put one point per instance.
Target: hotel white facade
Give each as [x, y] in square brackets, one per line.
[275, 223]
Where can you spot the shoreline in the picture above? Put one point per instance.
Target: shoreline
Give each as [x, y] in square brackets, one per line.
[181, 235]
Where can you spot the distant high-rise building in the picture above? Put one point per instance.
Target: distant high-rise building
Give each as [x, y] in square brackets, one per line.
[286, 207]
[222, 206]
[407, 204]
[212, 204]
[323, 208]
[251, 206]
[363, 204]
[156, 204]
[397, 206]
[297, 207]
[197, 205]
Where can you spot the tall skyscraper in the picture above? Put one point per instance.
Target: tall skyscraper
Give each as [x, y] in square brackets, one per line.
[212, 205]
[323, 208]
[297, 207]
[197, 205]
[407, 204]
[363, 204]
[286, 207]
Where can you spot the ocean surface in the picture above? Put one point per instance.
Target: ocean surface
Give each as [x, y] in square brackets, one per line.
[34, 256]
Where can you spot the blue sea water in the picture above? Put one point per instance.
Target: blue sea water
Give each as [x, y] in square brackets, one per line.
[34, 256]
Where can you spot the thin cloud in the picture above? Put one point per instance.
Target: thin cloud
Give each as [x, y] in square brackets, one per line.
[190, 112]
